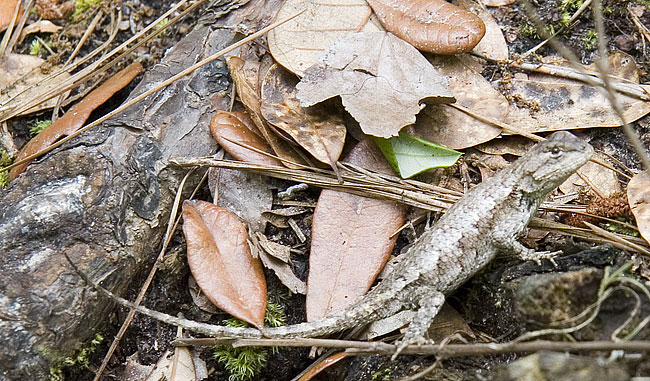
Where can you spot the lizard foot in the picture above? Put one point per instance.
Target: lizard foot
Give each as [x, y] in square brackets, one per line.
[406, 341]
[537, 256]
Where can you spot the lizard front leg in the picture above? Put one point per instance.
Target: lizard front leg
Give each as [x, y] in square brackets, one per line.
[430, 301]
[510, 245]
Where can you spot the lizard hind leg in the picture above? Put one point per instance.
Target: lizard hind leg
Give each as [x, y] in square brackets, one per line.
[430, 302]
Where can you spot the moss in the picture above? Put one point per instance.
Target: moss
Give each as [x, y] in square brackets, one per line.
[39, 126]
[5, 160]
[590, 40]
[35, 47]
[243, 363]
[81, 358]
[81, 8]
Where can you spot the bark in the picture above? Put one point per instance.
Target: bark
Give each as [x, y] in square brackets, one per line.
[104, 199]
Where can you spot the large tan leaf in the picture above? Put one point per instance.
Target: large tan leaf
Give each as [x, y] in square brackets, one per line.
[351, 241]
[433, 26]
[493, 44]
[297, 44]
[75, 118]
[638, 195]
[317, 129]
[7, 9]
[17, 73]
[380, 78]
[221, 261]
[456, 129]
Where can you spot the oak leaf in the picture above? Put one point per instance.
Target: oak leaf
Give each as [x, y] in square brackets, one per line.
[380, 78]
[221, 261]
[352, 238]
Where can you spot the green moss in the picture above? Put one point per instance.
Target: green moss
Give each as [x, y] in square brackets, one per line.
[81, 358]
[81, 8]
[39, 126]
[35, 47]
[381, 375]
[243, 363]
[5, 160]
[590, 40]
[528, 30]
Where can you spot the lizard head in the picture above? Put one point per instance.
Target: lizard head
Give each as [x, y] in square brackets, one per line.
[552, 161]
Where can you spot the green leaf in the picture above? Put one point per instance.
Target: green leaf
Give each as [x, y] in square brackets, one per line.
[410, 155]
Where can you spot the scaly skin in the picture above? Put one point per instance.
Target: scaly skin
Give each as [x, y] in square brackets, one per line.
[485, 222]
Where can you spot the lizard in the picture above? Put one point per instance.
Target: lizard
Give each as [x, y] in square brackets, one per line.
[486, 221]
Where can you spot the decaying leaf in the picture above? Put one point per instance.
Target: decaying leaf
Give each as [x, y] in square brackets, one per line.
[245, 194]
[550, 103]
[17, 73]
[234, 131]
[247, 78]
[318, 130]
[433, 26]
[53, 10]
[41, 26]
[75, 118]
[7, 9]
[221, 262]
[352, 238]
[322, 365]
[456, 129]
[638, 195]
[410, 155]
[380, 78]
[507, 145]
[493, 44]
[604, 180]
[276, 257]
[297, 44]
[177, 365]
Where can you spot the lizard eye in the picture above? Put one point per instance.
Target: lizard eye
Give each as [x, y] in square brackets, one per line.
[556, 152]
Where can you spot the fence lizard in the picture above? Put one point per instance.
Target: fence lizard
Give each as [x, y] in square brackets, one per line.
[483, 223]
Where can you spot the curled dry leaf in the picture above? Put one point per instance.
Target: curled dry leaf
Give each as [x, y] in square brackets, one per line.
[247, 77]
[297, 43]
[7, 9]
[234, 131]
[433, 26]
[177, 365]
[75, 118]
[454, 128]
[221, 262]
[352, 238]
[322, 365]
[52, 10]
[638, 195]
[42, 26]
[18, 72]
[380, 78]
[318, 130]
[493, 44]
[270, 252]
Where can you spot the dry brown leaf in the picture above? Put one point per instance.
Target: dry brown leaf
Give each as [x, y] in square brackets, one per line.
[603, 179]
[507, 145]
[433, 26]
[380, 78]
[550, 103]
[322, 365]
[351, 240]
[243, 193]
[297, 44]
[493, 45]
[234, 131]
[638, 195]
[7, 9]
[41, 26]
[52, 10]
[75, 118]
[165, 369]
[456, 129]
[17, 73]
[247, 78]
[317, 129]
[221, 262]
[270, 253]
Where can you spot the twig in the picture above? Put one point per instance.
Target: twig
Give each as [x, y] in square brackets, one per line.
[449, 350]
